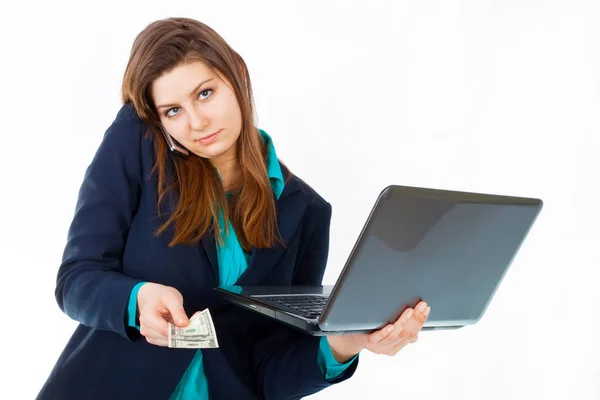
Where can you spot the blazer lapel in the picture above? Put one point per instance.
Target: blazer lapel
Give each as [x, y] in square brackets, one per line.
[290, 210]
[210, 248]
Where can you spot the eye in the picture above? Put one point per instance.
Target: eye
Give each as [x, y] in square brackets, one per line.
[169, 114]
[203, 95]
[206, 92]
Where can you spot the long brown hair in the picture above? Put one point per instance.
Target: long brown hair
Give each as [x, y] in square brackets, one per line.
[159, 48]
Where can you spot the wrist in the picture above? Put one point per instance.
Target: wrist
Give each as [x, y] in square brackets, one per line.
[141, 294]
[342, 348]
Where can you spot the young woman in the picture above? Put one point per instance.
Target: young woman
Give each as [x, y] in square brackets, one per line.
[155, 230]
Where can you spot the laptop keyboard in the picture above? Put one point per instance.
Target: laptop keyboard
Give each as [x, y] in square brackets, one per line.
[305, 306]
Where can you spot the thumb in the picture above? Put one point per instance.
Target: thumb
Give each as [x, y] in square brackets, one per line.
[175, 307]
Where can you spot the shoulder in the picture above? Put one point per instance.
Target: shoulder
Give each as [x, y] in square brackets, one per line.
[128, 133]
[127, 127]
[317, 207]
[124, 144]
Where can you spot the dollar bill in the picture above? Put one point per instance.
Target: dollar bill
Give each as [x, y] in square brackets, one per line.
[200, 333]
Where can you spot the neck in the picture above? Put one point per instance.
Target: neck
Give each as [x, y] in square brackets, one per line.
[229, 169]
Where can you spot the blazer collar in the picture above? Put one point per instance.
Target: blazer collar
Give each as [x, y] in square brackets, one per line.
[290, 209]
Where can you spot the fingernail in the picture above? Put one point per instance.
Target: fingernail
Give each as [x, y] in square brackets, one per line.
[409, 314]
[423, 307]
[427, 311]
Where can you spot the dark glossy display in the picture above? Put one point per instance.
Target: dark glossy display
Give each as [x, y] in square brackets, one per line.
[451, 249]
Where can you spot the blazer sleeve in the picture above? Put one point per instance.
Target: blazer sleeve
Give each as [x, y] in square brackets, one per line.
[91, 287]
[286, 360]
[132, 316]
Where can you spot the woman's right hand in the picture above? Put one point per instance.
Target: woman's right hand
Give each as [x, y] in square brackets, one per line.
[159, 305]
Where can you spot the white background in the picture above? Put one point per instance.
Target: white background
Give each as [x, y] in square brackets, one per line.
[487, 96]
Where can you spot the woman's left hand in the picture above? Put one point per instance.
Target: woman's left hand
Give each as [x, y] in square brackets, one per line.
[389, 340]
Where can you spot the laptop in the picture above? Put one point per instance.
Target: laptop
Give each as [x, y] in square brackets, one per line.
[451, 249]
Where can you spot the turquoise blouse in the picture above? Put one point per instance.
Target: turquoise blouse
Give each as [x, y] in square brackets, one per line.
[233, 261]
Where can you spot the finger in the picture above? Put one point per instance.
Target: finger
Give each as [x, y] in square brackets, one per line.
[399, 328]
[422, 312]
[415, 324]
[397, 347]
[411, 330]
[175, 307]
[158, 342]
[155, 321]
[400, 344]
[150, 333]
[406, 340]
[406, 326]
[377, 336]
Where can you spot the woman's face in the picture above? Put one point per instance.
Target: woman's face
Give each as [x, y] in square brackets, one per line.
[199, 109]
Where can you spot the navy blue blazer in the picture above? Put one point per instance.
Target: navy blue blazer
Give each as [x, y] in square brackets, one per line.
[111, 247]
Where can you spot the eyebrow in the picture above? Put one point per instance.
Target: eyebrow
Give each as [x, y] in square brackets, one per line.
[191, 93]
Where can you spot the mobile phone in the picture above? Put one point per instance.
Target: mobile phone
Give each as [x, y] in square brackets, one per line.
[173, 144]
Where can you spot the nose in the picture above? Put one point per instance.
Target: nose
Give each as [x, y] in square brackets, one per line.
[198, 121]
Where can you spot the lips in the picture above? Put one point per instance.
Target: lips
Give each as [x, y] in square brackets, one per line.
[212, 138]
[209, 136]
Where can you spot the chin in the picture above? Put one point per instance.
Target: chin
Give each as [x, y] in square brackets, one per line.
[214, 150]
